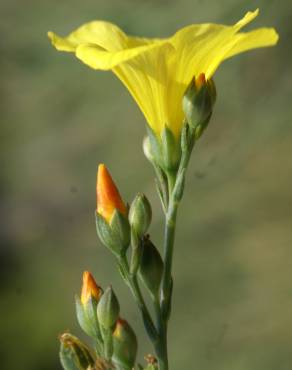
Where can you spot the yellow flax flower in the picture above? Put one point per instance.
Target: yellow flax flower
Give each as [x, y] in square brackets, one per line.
[157, 71]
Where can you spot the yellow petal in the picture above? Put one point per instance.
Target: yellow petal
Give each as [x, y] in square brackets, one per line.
[103, 34]
[147, 79]
[201, 48]
[259, 38]
[98, 58]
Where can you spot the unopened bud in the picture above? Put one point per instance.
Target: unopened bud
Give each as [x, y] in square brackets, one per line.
[111, 214]
[86, 306]
[108, 309]
[74, 354]
[124, 345]
[151, 267]
[112, 223]
[140, 214]
[198, 102]
[108, 196]
[89, 288]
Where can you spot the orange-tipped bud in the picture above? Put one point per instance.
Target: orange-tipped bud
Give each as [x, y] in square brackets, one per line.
[198, 102]
[89, 288]
[124, 345]
[200, 80]
[108, 196]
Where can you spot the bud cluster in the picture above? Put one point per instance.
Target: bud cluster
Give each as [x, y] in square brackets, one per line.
[98, 311]
[117, 228]
[98, 314]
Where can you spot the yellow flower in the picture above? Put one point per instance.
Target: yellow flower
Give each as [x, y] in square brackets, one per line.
[157, 71]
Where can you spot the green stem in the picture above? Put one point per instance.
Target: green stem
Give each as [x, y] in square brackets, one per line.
[161, 344]
[135, 289]
[169, 237]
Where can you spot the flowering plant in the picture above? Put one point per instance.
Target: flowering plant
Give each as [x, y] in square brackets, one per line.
[171, 81]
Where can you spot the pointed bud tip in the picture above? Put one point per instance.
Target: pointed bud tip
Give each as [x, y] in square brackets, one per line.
[120, 324]
[108, 196]
[89, 288]
[200, 80]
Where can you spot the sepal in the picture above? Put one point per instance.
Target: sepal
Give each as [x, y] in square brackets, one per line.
[151, 267]
[87, 317]
[163, 150]
[116, 235]
[137, 249]
[152, 147]
[171, 151]
[121, 227]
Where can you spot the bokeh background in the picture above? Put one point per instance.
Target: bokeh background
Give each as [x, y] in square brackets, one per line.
[59, 119]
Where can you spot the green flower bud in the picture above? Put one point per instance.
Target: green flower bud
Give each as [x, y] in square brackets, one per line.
[124, 346]
[108, 309]
[86, 306]
[198, 102]
[140, 214]
[75, 355]
[151, 267]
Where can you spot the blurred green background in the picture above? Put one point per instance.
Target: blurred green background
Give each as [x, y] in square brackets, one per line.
[233, 289]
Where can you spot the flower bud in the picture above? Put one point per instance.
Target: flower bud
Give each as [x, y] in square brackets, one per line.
[198, 102]
[111, 215]
[108, 309]
[151, 267]
[74, 354]
[108, 196]
[89, 288]
[124, 345]
[86, 306]
[140, 214]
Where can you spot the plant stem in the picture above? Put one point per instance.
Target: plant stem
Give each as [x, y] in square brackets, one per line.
[135, 289]
[162, 308]
[169, 236]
